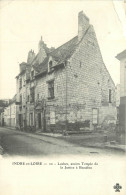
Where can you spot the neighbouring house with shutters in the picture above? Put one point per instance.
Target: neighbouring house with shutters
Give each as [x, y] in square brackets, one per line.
[68, 87]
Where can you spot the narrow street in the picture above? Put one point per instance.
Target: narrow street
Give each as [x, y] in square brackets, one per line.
[16, 143]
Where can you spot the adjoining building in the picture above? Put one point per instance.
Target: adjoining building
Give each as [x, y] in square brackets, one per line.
[68, 87]
[122, 108]
[1, 116]
[3, 104]
[10, 113]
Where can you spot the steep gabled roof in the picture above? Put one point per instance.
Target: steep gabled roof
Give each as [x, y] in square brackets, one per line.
[47, 50]
[41, 67]
[60, 54]
[65, 51]
[13, 100]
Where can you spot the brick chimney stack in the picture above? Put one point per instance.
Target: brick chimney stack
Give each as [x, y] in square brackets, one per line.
[31, 56]
[83, 24]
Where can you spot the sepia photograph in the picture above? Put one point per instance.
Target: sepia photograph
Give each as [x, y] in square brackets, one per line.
[63, 93]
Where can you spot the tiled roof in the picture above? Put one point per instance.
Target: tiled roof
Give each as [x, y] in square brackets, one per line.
[41, 67]
[47, 50]
[60, 54]
[13, 100]
[65, 51]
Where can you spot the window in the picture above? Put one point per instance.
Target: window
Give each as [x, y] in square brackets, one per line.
[50, 65]
[110, 96]
[20, 99]
[24, 82]
[32, 74]
[31, 119]
[20, 83]
[95, 116]
[28, 98]
[38, 96]
[24, 95]
[51, 89]
[32, 94]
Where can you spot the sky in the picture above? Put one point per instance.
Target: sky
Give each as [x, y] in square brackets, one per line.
[22, 23]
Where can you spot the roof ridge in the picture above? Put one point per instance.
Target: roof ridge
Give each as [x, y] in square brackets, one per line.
[63, 44]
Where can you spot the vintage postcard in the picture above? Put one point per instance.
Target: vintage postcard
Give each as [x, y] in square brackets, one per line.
[62, 97]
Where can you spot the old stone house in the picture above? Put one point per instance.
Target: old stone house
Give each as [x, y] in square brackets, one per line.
[68, 87]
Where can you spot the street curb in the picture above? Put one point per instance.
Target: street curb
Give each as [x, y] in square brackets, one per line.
[49, 135]
[104, 147]
[60, 137]
[90, 146]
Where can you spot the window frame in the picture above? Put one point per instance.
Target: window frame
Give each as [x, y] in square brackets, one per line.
[32, 95]
[51, 89]
[50, 65]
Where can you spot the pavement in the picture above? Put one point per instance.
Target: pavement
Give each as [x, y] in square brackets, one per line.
[87, 140]
[77, 140]
[1, 148]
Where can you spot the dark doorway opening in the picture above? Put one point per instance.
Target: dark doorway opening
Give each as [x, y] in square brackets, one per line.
[20, 120]
[39, 121]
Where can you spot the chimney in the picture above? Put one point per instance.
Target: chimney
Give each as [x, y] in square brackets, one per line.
[31, 56]
[40, 45]
[83, 24]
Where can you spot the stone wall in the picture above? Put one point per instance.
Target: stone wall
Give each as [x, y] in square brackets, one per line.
[55, 108]
[89, 82]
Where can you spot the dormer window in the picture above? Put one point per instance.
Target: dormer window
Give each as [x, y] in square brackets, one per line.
[20, 99]
[50, 65]
[32, 74]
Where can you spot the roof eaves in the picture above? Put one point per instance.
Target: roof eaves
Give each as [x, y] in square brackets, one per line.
[41, 73]
[22, 72]
[121, 55]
